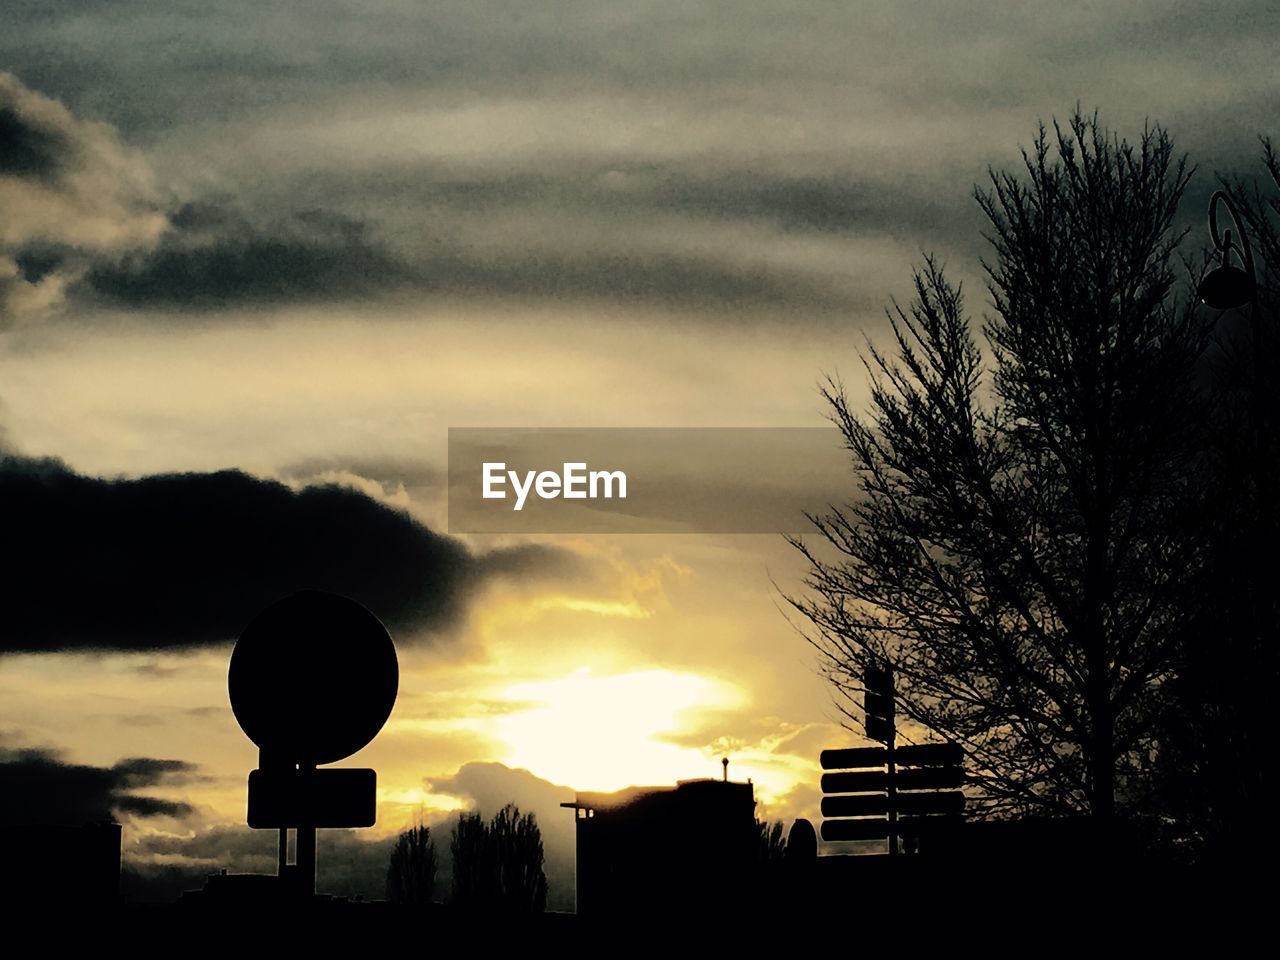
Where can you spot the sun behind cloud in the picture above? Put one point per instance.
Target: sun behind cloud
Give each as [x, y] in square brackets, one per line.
[606, 732]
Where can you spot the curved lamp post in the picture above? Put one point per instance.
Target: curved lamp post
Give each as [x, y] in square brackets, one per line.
[1226, 286]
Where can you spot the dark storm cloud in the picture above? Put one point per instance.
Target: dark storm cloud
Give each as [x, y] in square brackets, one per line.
[37, 786]
[145, 771]
[214, 257]
[186, 559]
[27, 150]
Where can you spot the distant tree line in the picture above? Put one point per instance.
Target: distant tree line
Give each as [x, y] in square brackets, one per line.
[498, 865]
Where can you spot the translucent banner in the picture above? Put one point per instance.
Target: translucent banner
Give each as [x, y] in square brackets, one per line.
[645, 480]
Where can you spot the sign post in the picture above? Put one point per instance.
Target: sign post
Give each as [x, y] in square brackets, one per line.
[879, 720]
[312, 680]
[887, 792]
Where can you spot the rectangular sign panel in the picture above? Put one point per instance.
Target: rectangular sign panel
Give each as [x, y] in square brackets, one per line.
[855, 805]
[906, 778]
[854, 758]
[927, 778]
[871, 804]
[340, 797]
[930, 755]
[862, 781]
[947, 801]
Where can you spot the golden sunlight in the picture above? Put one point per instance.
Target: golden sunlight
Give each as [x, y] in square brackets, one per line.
[608, 732]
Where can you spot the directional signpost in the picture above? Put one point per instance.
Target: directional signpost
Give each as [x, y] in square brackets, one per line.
[312, 680]
[883, 793]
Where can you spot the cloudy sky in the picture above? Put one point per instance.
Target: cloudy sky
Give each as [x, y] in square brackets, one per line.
[256, 260]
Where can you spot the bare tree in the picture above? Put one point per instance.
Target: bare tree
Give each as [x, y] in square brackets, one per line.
[1020, 539]
[411, 871]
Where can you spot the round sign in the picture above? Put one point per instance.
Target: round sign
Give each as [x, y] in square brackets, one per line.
[313, 678]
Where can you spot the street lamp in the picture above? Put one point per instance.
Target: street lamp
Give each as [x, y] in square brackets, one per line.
[1227, 287]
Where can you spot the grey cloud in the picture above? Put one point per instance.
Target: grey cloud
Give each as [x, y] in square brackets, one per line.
[704, 48]
[212, 258]
[931, 59]
[159, 868]
[145, 771]
[70, 192]
[386, 471]
[424, 132]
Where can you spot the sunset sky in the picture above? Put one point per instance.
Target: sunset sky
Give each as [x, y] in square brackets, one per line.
[301, 241]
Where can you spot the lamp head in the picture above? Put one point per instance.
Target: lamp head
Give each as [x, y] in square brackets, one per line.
[1226, 288]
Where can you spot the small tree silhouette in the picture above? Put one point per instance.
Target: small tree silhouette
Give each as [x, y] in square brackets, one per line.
[772, 845]
[411, 870]
[517, 845]
[498, 866]
[472, 867]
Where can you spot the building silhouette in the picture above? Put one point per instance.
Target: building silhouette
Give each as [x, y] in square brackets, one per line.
[61, 864]
[664, 850]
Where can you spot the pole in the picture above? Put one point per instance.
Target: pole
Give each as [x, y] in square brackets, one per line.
[892, 791]
[305, 865]
[268, 761]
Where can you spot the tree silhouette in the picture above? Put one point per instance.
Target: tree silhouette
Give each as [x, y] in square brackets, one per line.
[472, 862]
[498, 866]
[771, 844]
[517, 845]
[411, 870]
[1021, 540]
